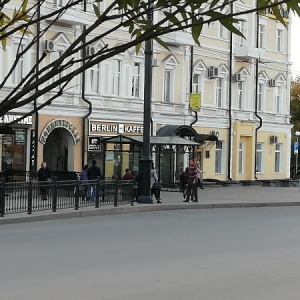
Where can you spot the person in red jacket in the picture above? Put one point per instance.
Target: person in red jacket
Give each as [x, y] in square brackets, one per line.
[128, 175]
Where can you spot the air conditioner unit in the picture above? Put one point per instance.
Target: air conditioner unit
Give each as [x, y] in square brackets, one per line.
[155, 63]
[272, 83]
[49, 46]
[213, 72]
[90, 50]
[237, 77]
[273, 139]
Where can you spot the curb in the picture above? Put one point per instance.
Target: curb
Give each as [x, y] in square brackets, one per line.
[13, 219]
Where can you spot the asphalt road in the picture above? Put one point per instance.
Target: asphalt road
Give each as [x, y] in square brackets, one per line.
[241, 254]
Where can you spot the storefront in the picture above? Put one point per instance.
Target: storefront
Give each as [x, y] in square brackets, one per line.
[60, 142]
[118, 156]
[15, 143]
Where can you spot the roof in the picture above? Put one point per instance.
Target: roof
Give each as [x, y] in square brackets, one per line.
[6, 130]
[179, 130]
[154, 140]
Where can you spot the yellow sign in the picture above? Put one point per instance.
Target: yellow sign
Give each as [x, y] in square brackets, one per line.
[195, 101]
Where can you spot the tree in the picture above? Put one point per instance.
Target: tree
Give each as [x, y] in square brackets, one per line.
[133, 16]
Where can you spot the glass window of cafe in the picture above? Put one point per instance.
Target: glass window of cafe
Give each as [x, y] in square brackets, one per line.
[14, 150]
[117, 159]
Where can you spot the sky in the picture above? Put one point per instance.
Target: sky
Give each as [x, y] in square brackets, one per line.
[295, 46]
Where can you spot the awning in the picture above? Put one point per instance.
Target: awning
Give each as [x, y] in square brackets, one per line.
[6, 130]
[201, 138]
[177, 130]
[154, 140]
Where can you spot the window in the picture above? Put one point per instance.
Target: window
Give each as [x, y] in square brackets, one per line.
[196, 83]
[279, 40]
[116, 76]
[219, 83]
[95, 79]
[223, 32]
[136, 80]
[261, 36]
[259, 157]
[242, 29]
[278, 148]
[18, 71]
[240, 86]
[278, 99]
[58, 3]
[241, 157]
[167, 86]
[219, 157]
[259, 96]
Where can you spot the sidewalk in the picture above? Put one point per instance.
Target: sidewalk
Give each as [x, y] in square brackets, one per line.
[210, 197]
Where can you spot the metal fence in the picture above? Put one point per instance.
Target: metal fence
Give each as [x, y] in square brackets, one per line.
[30, 196]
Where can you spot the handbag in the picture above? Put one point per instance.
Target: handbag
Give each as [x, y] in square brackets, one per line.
[157, 185]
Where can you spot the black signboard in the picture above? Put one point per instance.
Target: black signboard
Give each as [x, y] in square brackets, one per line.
[32, 150]
[94, 143]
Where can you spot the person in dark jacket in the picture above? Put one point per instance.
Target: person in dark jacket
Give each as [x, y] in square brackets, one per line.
[93, 173]
[44, 175]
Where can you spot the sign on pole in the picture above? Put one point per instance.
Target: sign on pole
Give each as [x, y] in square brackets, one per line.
[195, 101]
[296, 147]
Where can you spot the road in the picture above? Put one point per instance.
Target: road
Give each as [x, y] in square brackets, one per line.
[250, 253]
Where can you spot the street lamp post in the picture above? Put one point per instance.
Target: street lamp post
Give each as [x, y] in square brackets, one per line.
[146, 160]
[296, 148]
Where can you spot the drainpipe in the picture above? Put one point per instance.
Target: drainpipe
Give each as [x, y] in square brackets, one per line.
[191, 83]
[36, 116]
[84, 119]
[256, 95]
[230, 104]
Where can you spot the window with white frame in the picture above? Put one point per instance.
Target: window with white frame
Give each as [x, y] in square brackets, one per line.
[94, 79]
[223, 32]
[259, 157]
[168, 86]
[58, 3]
[219, 157]
[261, 36]
[136, 80]
[116, 77]
[278, 157]
[18, 72]
[196, 83]
[279, 40]
[260, 92]
[240, 94]
[241, 157]
[219, 88]
[278, 99]
[242, 28]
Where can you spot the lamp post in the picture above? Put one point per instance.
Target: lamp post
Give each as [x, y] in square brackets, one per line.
[296, 147]
[146, 160]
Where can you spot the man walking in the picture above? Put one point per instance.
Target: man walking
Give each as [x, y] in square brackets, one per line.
[93, 173]
[192, 183]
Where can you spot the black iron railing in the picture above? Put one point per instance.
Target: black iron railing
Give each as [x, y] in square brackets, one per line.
[30, 196]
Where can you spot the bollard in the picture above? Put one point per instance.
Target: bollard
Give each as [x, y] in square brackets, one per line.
[97, 192]
[132, 194]
[54, 199]
[29, 210]
[77, 194]
[2, 198]
[116, 194]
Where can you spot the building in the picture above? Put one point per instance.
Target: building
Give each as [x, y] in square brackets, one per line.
[244, 87]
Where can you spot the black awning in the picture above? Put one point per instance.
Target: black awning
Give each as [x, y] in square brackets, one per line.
[177, 130]
[201, 138]
[6, 130]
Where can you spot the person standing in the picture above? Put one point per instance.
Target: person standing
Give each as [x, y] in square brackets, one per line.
[184, 180]
[154, 180]
[93, 173]
[44, 175]
[128, 175]
[192, 183]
